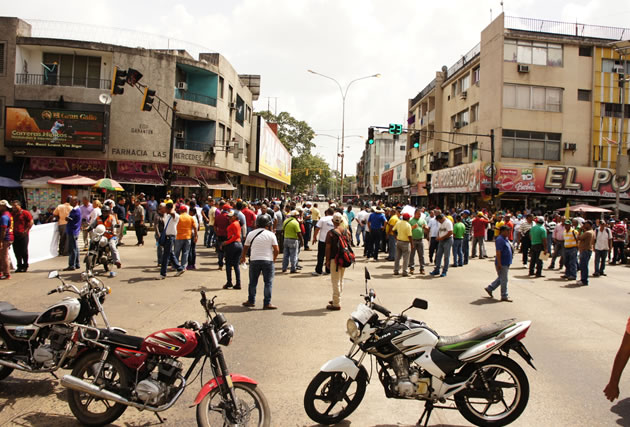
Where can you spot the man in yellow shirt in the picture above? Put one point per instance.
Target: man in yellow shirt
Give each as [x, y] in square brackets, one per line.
[403, 236]
[61, 212]
[391, 236]
[498, 224]
[186, 232]
[315, 214]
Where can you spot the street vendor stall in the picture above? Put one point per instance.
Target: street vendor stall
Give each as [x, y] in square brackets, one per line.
[38, 192]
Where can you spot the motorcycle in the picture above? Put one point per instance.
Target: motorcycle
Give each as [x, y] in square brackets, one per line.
[47, 341]
[146, 373]
[99, 251]
[413, 362]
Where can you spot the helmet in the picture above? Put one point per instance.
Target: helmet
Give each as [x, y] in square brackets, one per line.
[100, 229]
[263, 220]
[106, 210]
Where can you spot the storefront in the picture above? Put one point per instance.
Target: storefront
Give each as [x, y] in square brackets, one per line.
[394, 181]
[457, 187]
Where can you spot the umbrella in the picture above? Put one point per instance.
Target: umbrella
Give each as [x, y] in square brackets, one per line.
[73, 180]
[585, 209]
[109, 184]
[8, 182]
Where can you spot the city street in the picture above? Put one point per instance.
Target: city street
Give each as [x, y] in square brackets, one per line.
[575, 334]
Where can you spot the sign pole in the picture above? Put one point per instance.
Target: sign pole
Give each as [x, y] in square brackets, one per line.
[492, 167]
[171, 150]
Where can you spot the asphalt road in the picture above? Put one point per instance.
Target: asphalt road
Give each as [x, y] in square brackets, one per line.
[575, 334]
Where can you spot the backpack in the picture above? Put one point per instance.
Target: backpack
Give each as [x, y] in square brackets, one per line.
[345, 256]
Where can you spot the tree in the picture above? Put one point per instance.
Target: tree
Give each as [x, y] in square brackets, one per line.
[297, 136]
[309, 171]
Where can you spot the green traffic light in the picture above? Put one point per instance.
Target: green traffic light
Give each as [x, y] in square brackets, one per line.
[416, 145]
[371, 141]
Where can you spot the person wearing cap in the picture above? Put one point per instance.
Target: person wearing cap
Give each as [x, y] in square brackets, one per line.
[467, 221]
[391, 235]
[558, 244]
[6, 239]
[332, 248]
[538, 238]
[570, 251]
[170, 219]
[418, 230]
[264, 250]
[479, 226]
[502, 264]
[620, 233]
[361, 219]
[459, 229]
[233, 249]
[404, 242]
[292, 240]
[375, 224]
[445, 243]
[186, 232]
[586, 241]
[322, 227]
[603, 245]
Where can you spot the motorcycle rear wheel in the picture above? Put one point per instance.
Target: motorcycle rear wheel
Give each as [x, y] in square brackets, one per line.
[333, 388]
[88, 409]
[509, 391]
[211, 411]
[4, 371]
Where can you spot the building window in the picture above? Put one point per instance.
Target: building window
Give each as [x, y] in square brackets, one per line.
[460, 119]
[464, 83]
[584, 95]
[231, 94]
[249, 114]
[402, 148]
[476, 75]
[474, 113]
[221, 134]
[536, 53]
[72, 70]
[453, 90]
[532, 98]
[614, 66]
[458, 156]
[530, 145]
[221, 84]
[3, 58]
[586, 51]
[610, 109]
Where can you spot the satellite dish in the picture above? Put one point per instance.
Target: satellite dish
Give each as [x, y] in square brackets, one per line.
[105, 98]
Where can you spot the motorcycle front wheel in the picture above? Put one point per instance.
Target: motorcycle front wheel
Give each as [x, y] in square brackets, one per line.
[4, 371]
[90, 262]
[333, 396]
[252, 408]
[505, 398]
[90, 410]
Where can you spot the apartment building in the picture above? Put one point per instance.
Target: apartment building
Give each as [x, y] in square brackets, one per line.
[387, 152]
[57, 121]
[549, 92]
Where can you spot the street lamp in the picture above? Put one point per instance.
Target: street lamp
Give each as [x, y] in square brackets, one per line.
[622, 48]
[339, 154]
[343, 112]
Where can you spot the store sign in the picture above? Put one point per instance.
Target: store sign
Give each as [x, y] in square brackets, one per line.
[60, 167]
[387, 178]
[204, 174]
[557, 180]
[274, 160]
[253, 181]
[459, 179]
[53, 128]
[399, 176]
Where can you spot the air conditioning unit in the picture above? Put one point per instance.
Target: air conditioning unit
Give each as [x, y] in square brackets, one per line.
[463, 95]
[442, 155]
[522, 68]
[182, 85]
[617, 69]
[232, 105]
[179, 134]
[570, 146]
[457, 125]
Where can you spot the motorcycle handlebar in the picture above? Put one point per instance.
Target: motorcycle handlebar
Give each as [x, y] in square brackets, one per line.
[385, 312]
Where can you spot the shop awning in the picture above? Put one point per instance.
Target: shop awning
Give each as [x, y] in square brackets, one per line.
[185, 181]
[8, 182]
[73, 180]
[221, 186]
[37, 182]
[586, 209]
[139, 180]
[622, 207]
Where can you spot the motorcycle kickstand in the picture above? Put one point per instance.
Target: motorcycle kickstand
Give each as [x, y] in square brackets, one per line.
[428, 409]
[159, 418]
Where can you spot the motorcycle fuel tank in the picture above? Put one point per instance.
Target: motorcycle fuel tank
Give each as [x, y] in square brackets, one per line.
[172, 342]
[67, 310]
[411, 341]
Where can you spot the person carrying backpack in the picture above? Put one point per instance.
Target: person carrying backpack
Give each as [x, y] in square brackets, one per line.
[339, 256]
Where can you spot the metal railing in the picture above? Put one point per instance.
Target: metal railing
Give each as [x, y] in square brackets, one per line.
[55, 80]
[465, 59]
[565, 28]
[423, 92]
[196, 97]
[188, 144]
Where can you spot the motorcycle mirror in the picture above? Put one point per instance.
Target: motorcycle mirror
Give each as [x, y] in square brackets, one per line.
[420, 303]
[367, 274]
[53, 274]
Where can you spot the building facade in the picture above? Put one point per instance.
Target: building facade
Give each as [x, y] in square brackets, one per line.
[388, 150]
[58, 121]
[549, 92]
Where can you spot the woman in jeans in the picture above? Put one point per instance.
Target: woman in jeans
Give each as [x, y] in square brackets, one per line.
[233, 250]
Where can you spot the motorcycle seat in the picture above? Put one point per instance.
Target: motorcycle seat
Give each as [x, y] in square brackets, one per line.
[18, 317]
[5, 306]
[474, 336]
[120, 339]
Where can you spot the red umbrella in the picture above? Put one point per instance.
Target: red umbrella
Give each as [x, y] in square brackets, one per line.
[73, 180]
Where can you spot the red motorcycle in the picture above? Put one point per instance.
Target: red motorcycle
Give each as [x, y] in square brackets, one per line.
[146, 373]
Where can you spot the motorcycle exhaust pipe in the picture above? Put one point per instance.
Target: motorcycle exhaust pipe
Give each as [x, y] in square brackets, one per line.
[14, 365]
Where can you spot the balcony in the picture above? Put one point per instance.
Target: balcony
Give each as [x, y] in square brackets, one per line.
[55, 80]
[190, 144]
[195, 97]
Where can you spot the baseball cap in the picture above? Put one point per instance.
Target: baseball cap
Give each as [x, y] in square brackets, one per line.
[568, 221]
[227, 207]
[479, 213]
[337, 218]
[230, 214]
[406, 216]
[293, 213]
[5, 203]
[466, 211]
[540, 219]
[183, 208]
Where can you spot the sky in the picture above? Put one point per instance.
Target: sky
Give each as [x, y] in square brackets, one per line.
[405, 41]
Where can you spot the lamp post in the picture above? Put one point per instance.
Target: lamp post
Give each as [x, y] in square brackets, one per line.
[343, 111]
[622, 48]
[339, 155]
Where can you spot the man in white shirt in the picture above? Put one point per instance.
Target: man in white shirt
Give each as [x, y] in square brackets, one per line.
[171, 218]
[445, 242]
[323, 226]
[264, 251]
[603, 244]
[361, 219]
[434, 226]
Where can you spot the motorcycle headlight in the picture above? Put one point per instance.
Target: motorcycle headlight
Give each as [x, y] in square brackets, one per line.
[352, 329]
[103, 242]
[226, 334]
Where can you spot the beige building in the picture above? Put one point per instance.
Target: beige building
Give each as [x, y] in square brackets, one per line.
[547, 91]
[57, 124]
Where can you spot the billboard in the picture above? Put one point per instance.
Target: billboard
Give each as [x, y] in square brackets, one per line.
[458, 179]
[53, 128]
[274, 160]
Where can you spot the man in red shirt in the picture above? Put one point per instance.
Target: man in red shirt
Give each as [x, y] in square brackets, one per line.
[250, 218]
[233, 250]
[479, 226]
[508, 222]
[22, 223]
[221, 223]
[6, 239]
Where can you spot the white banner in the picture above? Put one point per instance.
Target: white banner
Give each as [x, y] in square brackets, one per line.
[43, 243]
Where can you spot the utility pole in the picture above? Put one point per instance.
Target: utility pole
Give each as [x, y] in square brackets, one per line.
[621, 172]
[492, 167]
[171, 149]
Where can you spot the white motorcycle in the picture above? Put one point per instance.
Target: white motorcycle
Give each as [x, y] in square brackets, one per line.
[99, 251]
[413, 362]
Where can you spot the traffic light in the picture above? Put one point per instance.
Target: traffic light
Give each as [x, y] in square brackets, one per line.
[415, 140]
[118, 81]
[147, 99]
[370, 136]
[133, 76]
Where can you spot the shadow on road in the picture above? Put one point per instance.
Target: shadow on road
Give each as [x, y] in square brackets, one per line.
[307, 313]
[44, 419]
[573, 285]
[622, 408]
[202, 288]
[233, 309]
[14, 389]
[485, 300]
